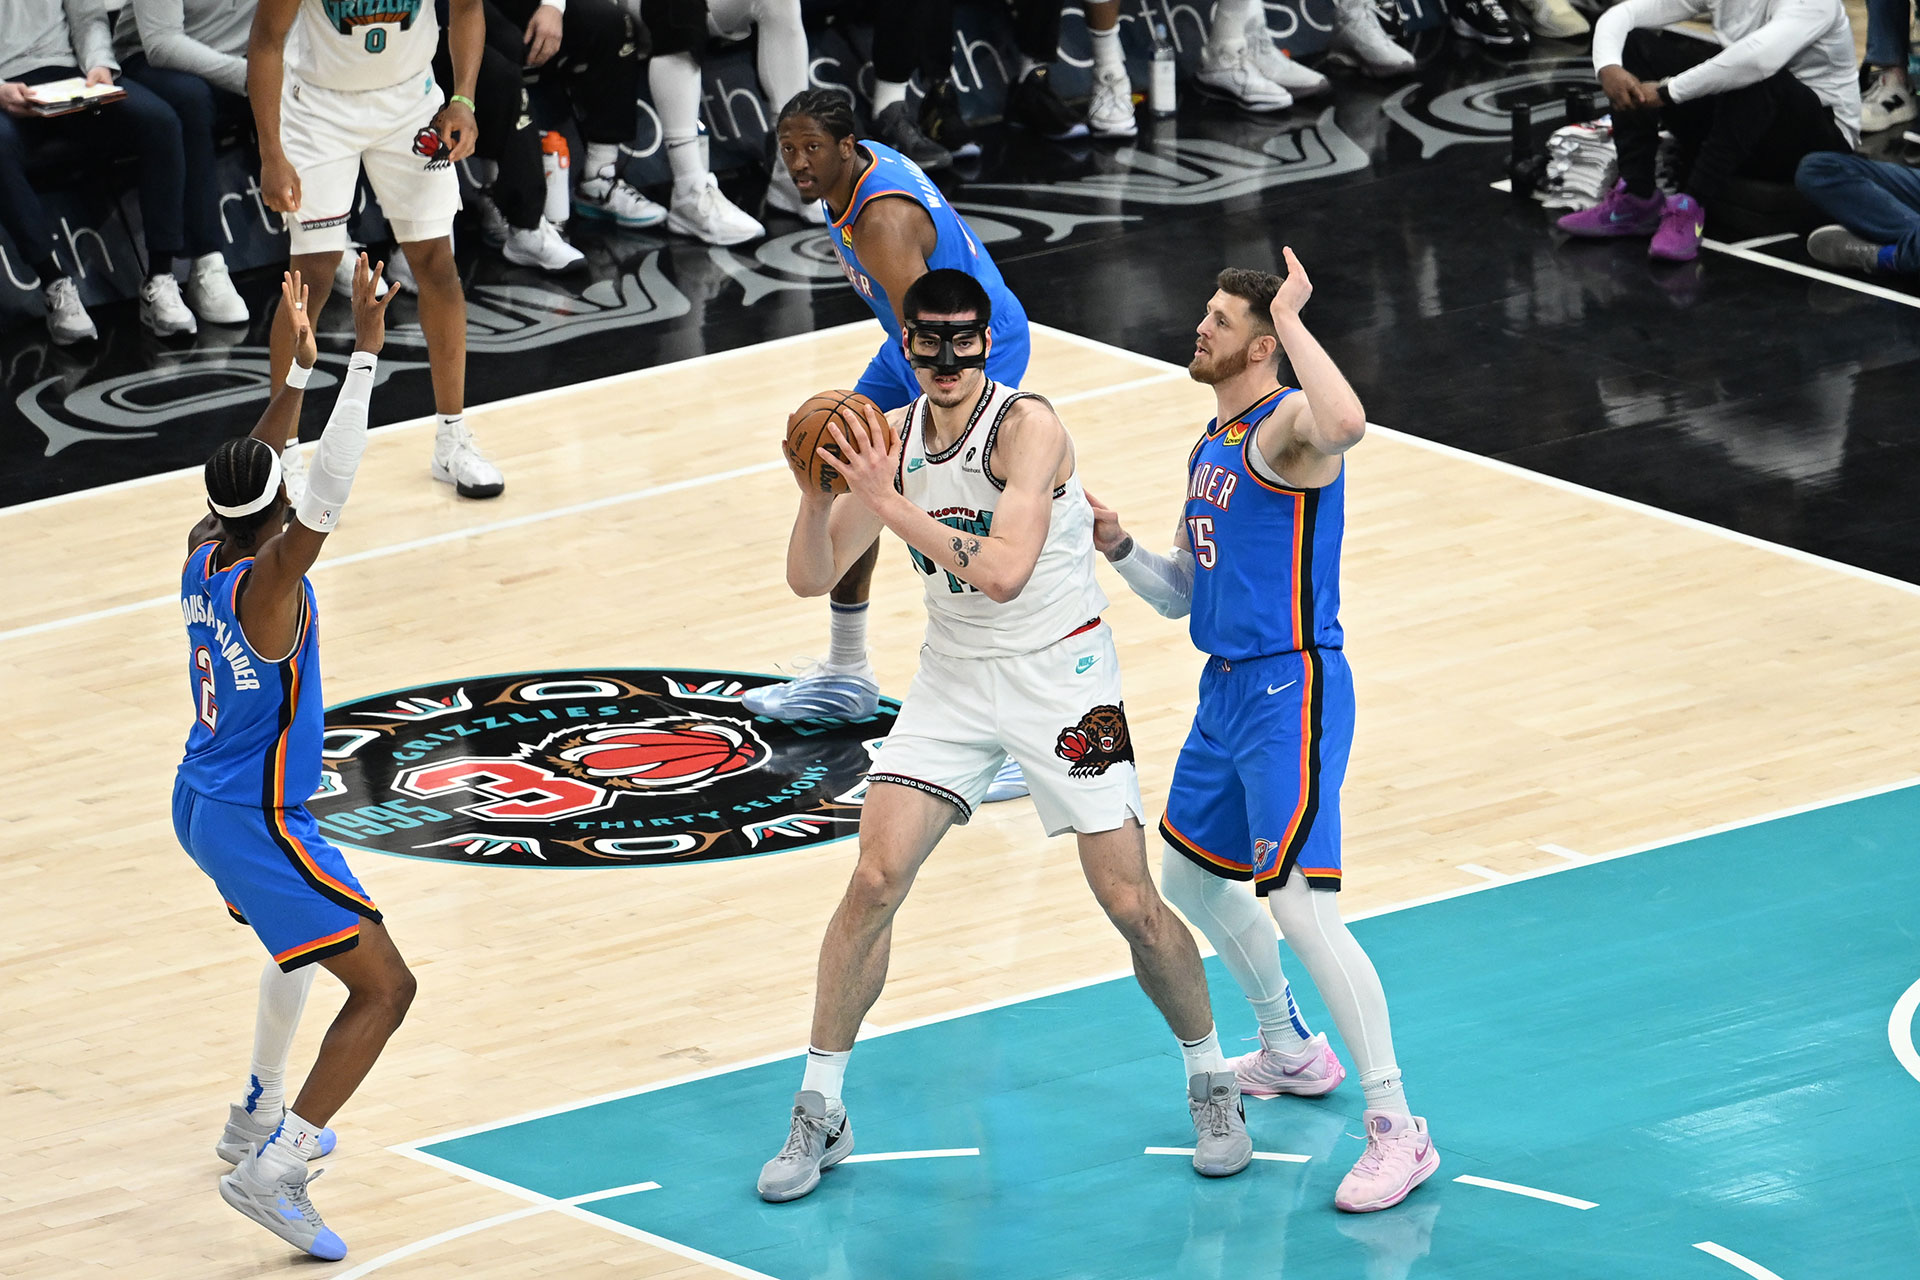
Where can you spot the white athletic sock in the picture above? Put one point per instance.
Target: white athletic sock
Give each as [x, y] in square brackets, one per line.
[888, 92]
[1107, 55]
[603, 159]
[443, 422]
[826, 1072]
[283, 996]
[1229, 27]
[1281, 1026]
[1383, 1092]
[688, 160]
[1203, 1055]
[847, 638]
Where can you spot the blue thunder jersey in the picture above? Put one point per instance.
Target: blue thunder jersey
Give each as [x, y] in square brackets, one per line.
[1266, 557]
[257, 723]
[893, 176]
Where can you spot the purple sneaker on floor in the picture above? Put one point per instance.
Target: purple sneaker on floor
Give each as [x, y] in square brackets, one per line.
[1620, 214]
[1678, 239]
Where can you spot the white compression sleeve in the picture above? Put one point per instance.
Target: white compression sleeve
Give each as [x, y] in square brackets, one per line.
[1228, 913]
[283, 996]
[337, 457]
[1310, 920]
[1165, 582]
[783, 42]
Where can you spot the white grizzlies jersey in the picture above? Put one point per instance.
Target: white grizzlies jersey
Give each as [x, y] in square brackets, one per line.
[955, 488]
[362, 44]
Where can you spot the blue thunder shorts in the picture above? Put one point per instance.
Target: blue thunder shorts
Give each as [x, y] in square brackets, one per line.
[279, 876]
[1256, 790]
[889, 380]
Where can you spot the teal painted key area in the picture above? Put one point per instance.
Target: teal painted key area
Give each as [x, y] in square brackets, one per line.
[1694, 1038]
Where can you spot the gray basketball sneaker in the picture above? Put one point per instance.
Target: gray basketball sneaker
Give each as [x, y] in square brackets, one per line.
[282, 1206]
[1221, 1147]
[247, 1132]
[820, 1138]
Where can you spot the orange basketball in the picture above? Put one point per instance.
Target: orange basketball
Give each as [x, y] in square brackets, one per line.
[810, 445]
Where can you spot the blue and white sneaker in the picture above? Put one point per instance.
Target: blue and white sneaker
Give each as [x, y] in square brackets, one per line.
[247, 1132]
[1008, 784]
[281, 1205]
[817, 694]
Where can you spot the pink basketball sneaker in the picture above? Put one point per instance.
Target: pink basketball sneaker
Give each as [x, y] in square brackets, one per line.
[1314, 1071]
[1620, 214]
[1398, 1158]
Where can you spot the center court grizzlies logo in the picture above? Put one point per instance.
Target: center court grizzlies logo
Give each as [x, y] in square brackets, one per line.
[1097, 743]
[604, 768]
[345, 15]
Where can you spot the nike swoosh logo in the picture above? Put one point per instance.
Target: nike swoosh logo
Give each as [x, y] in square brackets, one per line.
[1294, 1071]
[1280, 688]
[1084, 665]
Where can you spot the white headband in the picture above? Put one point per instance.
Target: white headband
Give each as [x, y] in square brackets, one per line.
[260, 503]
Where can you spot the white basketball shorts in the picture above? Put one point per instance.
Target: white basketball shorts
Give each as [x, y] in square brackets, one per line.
[1058, 712]
[328, 134]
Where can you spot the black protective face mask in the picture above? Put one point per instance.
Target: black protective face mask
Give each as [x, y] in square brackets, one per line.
[947, 362]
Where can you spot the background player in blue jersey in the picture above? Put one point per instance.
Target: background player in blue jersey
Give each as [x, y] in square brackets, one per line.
[889, 225]
[1256, 790]
[253, 759]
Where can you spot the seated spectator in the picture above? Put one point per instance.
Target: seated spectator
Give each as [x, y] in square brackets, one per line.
[909, 39]
[44, 43]
[512, 213]
[1241, 64]
[192, 54]
[1877, 206]
[1783, 86]
[1886, 101]
[680, 29]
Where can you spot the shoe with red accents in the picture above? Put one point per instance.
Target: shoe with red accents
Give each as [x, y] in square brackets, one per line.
[1398, 1158]
[1313, 1071]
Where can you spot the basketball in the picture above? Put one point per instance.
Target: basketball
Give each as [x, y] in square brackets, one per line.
[807, 433]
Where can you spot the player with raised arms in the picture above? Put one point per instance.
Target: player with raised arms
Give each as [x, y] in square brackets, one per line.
[1256, 789]
[979, 480]
[889, 225]
[253, 759]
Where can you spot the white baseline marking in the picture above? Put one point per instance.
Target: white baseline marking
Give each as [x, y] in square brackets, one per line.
[1485, 873]
[1285, 1156]
[874, 1157]
[1900, 1030]
[1561, 851]
[421, 1246]
[1727, 1255]
[1532, 1192]
[514, 522]
[1757, 241]
[1811, 273]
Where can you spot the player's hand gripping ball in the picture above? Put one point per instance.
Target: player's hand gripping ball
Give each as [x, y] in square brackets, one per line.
[810, 448]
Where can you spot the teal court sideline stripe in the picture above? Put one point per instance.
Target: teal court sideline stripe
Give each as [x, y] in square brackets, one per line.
[1680, 1039]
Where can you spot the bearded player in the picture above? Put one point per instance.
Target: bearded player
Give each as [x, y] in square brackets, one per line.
[253, 759]
[1017, 663]
[1256, 790]
[336, 86]
[890, 225]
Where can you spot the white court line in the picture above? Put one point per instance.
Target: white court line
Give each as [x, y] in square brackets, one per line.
[874, 1157]
[1561, 851]
[1532, 1192]
[421, 1246]
[1757, 241]
[528, 397]
[1727, 1255]
[1485, 873]
[1900, 1030]
[1812, 273]
[1285, 1156]
[513, 522]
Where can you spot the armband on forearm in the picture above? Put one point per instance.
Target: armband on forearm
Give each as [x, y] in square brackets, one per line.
[337, 457]
[1165, 582]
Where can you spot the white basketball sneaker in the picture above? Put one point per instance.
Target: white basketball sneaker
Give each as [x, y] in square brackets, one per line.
[1110, 113]
[1312, 1071]
[210, 292]
[457, 461]
[1359, 38]
[1398, 1158]
[1273, 63]
[817, 694]
[705, 214]
[540, 246]
[67, 319]
[607, 198]
[1231, 73]
[162, 310]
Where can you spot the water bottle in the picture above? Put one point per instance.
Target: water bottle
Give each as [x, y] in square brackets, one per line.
[1163, 87]
[556, 163]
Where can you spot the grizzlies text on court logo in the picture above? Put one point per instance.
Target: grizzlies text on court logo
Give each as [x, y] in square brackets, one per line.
[599, 768]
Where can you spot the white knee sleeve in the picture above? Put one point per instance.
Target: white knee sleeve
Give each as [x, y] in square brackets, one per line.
[1310, 921]
[1230, 916]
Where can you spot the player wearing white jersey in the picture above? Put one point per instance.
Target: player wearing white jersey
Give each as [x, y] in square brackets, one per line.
[341, 84]
[979, 481]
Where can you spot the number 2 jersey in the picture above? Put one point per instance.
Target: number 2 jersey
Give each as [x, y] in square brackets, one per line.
[355, 45]
[257, 723]
[955, 487]
[1266, 555]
